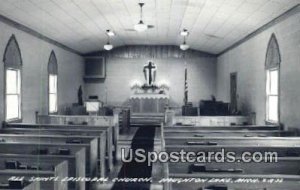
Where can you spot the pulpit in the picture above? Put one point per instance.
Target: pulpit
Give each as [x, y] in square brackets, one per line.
[149, 103]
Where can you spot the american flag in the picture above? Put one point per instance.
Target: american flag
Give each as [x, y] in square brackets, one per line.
[185, 86]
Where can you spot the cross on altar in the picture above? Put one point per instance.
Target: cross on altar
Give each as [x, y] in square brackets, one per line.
[150, 75]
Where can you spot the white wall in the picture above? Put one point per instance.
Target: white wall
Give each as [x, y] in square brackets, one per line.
[35, 54]
[248, 60]
[122, 72]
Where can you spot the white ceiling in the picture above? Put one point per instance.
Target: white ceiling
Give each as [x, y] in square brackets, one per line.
[214, 25]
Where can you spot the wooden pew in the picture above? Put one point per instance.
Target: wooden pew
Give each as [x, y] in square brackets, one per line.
[92, 141]
[100, 121]
[207, 133]
[81, 129]
[238, 140]
[189, 138]
[5, 183]
[171, 119]
[223, 141]
[45, 156]
[284, 147]
[89, 143]
[284, 166]
[31, 162]
[70, 131]
[36, 185]
[228, 133]
[212, 128]
[60, 171]
[240, 182]
[287, 168]
[282, 151]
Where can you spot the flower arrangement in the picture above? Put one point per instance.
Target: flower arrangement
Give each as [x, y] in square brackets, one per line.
[154, 87]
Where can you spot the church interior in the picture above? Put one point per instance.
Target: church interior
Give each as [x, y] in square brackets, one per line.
[150, 94]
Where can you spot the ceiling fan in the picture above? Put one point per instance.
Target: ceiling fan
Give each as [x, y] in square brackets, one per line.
[141, 26]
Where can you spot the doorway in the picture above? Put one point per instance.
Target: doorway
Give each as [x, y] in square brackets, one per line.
[233, 92]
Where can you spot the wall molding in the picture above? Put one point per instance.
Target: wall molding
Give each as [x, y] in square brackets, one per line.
[150, 51]
[294, 10]
[36, 34]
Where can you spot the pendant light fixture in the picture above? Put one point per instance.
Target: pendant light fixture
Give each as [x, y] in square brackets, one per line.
[108, 46]
[141, 26]
[184, 46]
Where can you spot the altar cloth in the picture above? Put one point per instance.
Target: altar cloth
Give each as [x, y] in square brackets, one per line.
[149, 103]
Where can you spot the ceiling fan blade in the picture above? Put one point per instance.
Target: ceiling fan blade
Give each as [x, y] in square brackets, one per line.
[150, 26]
[130, 30]
[213, 36]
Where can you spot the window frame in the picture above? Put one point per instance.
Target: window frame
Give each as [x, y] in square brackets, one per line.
[50, 93]
[269, 94]
[19, 88]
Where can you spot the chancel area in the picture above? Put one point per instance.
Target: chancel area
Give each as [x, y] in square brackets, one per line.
[149, 95]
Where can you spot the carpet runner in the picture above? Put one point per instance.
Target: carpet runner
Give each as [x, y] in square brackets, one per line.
[144, 138]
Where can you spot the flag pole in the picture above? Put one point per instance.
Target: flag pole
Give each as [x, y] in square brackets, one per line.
[185, 81]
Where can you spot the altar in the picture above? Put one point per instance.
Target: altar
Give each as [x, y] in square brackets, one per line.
[149, 103]
[149, 97]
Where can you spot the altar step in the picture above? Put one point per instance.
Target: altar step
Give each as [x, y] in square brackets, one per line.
[146, 118]
[143, 119]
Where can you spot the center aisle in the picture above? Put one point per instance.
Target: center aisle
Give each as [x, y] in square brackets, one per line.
[143, 139]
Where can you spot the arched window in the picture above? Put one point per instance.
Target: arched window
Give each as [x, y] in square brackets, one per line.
[52, 88]
[272, 66]
[12, 64]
